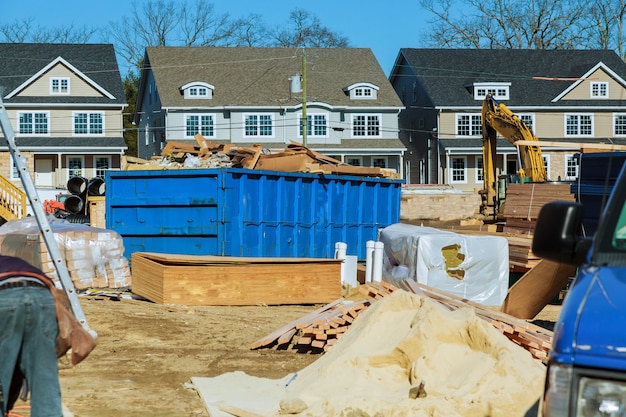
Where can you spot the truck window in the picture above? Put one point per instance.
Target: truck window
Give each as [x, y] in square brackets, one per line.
[619, 237]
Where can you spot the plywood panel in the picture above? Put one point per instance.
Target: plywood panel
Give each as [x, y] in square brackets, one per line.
[217, 280]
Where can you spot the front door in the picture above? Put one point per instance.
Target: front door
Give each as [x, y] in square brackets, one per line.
[43, 173]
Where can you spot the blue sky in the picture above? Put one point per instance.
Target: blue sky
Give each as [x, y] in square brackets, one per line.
[366, 23]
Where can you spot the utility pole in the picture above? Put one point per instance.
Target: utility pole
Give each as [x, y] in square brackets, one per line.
[305, 124]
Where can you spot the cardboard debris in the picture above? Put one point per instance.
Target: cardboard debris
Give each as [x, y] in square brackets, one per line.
[208, 154]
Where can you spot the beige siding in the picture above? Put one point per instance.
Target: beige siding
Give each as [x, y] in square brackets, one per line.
[62, 121]
[583, 90]
[78, 87]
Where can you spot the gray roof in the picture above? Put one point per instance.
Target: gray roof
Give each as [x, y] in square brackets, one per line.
[260, 76]
[446, 73]
[20, 61]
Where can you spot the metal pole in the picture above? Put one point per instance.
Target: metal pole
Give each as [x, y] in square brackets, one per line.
[42, 221]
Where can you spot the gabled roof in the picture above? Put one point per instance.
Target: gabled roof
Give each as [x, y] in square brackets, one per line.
[259, 77]
[94, 63]
[537, 77]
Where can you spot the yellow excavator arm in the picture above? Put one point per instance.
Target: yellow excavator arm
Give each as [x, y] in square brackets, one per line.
[498, 119]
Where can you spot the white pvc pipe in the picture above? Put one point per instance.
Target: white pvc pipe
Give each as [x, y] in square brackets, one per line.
[369, 255]
[377, 265]
[340, 250]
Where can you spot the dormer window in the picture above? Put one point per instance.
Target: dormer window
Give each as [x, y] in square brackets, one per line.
[197, 90]
[599, 90]
[59, 85]
[500, 91]
[362, 91]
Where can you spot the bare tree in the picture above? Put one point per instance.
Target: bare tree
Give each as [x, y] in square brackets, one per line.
[533, 24]
[200, 25]
[306, 30]
[249, 31]
[606, 25]
[21, 31]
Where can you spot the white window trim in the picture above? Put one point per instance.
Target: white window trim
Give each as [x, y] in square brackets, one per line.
[17, 131]
[546, 160]
[14, 175]
[60, 93]
[478, 169]
[567, 157]
[74, 113]
[598, 83]
[67, 165]
[95, 168]
[385, 158]
[456, 124]
[312, 116]
[258, 136]
[451, 169]
[197, 84]
[213, 116]
[352, 89]
[493, 86]
[380, 126]
[531, 116]
[578, 134]
[359, 158]
[615, 116]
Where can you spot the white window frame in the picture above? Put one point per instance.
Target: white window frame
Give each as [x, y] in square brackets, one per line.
[213, 117]
[527, 116]
[59, 90]
[599, 90]
[89, 123]
[546, 164]
[379, 118]
[258, 125]
[384, 159]
[311, 131]
[354, 158]
[69, 172]
[479, 169]
[617, 117]
[452, 169]
[197, 90]
[362, 91]
[500, 91]
[95, 164]
[578, 124]
[475, 125]
[570, 158]
[33, 124]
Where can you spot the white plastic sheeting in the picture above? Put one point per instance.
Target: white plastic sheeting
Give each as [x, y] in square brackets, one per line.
[469, 266]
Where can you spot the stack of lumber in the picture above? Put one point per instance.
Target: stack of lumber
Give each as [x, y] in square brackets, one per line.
[521, 256]
[524, 201]
[208, 154]
[320, 329]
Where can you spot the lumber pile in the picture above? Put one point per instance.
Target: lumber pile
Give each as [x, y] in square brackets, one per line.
[319, 330]
[208, 154]
[524, 201]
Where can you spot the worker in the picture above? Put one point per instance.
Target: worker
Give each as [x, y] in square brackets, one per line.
[28, 333]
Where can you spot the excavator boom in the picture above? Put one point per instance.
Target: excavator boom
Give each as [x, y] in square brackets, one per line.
[497, 119]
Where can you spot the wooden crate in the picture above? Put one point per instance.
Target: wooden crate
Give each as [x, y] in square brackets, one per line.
[223, 280]
[97, 209]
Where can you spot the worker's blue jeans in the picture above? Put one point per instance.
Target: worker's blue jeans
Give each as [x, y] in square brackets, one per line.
[28, 332]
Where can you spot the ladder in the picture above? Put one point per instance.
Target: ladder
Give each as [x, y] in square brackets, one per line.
[42, 220]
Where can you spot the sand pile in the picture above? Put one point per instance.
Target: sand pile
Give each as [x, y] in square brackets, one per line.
[467, 367]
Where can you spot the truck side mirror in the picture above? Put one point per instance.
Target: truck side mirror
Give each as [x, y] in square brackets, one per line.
[557, 235]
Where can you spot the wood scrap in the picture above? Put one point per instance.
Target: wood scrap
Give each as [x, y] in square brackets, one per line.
[313, 333]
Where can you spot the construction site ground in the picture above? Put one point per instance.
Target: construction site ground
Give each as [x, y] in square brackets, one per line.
[148, 352]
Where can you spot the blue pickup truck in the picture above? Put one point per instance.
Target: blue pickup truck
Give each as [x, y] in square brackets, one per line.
[586, 374]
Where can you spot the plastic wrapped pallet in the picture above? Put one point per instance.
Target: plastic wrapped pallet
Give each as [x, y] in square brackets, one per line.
[93, 256]
[469, 266]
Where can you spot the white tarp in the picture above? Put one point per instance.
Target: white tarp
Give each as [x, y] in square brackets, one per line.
[474, 267]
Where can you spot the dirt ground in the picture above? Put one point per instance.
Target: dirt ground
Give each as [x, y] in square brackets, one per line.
[147, 353]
